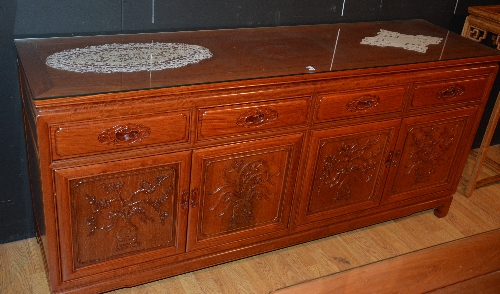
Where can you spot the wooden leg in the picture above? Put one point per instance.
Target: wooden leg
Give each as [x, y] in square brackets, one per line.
[442, 211]
[481, 155]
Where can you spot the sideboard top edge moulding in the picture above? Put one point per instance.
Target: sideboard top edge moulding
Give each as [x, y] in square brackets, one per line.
[165, 60]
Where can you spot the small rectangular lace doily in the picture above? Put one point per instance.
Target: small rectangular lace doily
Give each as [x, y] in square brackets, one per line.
[386, 38]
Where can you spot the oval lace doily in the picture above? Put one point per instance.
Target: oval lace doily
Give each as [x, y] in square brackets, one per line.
[130, 57]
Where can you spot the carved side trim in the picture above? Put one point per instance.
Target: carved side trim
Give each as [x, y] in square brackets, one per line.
[451, 92]
[124, 134]
[476, 34]
[363, 103]
[257, 117]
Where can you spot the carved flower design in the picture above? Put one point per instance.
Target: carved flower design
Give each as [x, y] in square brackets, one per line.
[352, 163]
[245, 184]
[122, 213]
[429, 147]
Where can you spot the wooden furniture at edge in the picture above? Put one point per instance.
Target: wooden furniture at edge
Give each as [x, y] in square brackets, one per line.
[283, 136]
[482, 22]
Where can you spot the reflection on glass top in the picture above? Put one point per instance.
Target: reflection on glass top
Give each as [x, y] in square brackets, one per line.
[232, 55]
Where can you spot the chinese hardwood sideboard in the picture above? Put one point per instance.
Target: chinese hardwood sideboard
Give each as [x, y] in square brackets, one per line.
[283, 135]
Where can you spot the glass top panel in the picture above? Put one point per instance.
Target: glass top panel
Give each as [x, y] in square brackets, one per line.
[201, 57]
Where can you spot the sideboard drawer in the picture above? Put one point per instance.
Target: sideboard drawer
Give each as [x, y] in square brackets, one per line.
[360, 103]
[438, 93]
[91, 137]
[250, 118]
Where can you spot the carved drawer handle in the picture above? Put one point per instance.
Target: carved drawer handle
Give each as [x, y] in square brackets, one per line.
[257, 117]
[451, 92]
[121, 134]
[363, 103]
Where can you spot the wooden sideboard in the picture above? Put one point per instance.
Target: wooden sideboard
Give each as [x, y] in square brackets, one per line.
[284, 135]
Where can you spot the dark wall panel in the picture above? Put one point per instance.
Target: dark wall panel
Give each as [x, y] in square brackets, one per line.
[198, 14]
[438, 12]
[48, 18]
[366, 10]
[290, 12]
[15, 204]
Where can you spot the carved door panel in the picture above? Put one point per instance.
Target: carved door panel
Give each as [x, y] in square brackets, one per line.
[241, 192]
[121, 213]
[429, 154]
[346, 170]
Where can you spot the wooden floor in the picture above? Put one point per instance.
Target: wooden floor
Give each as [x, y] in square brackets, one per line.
[470, 265]
[297, 269]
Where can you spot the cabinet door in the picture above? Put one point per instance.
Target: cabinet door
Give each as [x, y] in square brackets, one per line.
[346, 170]
[429, 154]
[241, 192]
[121, 213]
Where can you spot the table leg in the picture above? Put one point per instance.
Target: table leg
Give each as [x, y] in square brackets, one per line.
[481, 155]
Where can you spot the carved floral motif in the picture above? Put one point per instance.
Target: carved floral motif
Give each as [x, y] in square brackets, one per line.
[428, 149]
[246, 184]
[353, 162]
[121, 213]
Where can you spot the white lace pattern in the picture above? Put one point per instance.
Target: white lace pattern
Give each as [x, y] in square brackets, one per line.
[386, 38]
[129, 57]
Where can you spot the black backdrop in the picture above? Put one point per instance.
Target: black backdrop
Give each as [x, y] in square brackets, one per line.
[48, 18]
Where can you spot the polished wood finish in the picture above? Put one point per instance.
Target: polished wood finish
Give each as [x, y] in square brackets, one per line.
[334, 106]
[246, 55]
[347, 170]
[134, 206]
[220, 121]
[482, 22]
[440, 269]
[425, 153]
[72, 139]
[451, 91]
[487, 284]
[244, 192]
[183, 169]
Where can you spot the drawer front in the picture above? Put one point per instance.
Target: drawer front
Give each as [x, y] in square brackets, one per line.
[91, 137]
[440, 93]
[360, 103]
[251, 118]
